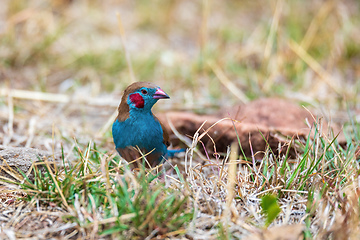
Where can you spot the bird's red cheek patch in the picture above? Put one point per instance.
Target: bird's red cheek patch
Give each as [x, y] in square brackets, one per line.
[137, 99]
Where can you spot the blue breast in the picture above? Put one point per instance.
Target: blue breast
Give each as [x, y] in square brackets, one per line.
[143, 131]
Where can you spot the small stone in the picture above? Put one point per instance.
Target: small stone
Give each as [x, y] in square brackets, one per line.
[22, 158]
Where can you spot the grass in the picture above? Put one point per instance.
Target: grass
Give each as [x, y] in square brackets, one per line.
[103, 198]
[206, 55]
[99, 195]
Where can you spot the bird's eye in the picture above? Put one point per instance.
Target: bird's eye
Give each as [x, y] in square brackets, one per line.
[143, 91]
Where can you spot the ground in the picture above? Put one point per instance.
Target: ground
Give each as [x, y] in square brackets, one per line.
[64, 65]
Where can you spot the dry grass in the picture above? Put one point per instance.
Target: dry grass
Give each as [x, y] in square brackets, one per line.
[65, 63]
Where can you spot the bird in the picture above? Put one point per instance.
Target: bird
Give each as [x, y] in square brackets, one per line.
[136, 130]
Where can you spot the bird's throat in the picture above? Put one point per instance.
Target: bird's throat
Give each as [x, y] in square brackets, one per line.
[142, 115]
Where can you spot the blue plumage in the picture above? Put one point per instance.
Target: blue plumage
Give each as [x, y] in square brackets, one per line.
[141, 130]
[136, 126]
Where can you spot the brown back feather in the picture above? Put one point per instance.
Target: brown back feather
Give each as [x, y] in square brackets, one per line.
[132, 153]
[165, 133]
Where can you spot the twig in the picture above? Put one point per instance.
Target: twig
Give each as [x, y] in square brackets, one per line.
[273, 29]
[123, 41]
[324, 75]
[228, 84]
[57, 97]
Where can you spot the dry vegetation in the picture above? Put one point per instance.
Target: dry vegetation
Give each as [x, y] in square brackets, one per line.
[64, 64]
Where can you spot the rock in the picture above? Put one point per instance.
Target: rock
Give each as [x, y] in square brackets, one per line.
[271, 113]
[284, 232]
[265, 122]
[14, 158]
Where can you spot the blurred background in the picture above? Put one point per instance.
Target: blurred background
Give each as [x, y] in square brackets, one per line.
[70, 58]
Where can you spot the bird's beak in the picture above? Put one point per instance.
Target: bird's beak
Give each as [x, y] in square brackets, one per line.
[159, 94]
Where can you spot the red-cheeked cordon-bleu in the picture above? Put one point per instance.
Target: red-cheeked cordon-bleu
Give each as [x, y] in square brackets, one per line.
[136, 127]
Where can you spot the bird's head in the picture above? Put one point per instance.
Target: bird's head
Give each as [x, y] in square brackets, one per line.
[144, 97]
[140, 96]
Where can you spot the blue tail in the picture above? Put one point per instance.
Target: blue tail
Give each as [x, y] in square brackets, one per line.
[172, 152]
